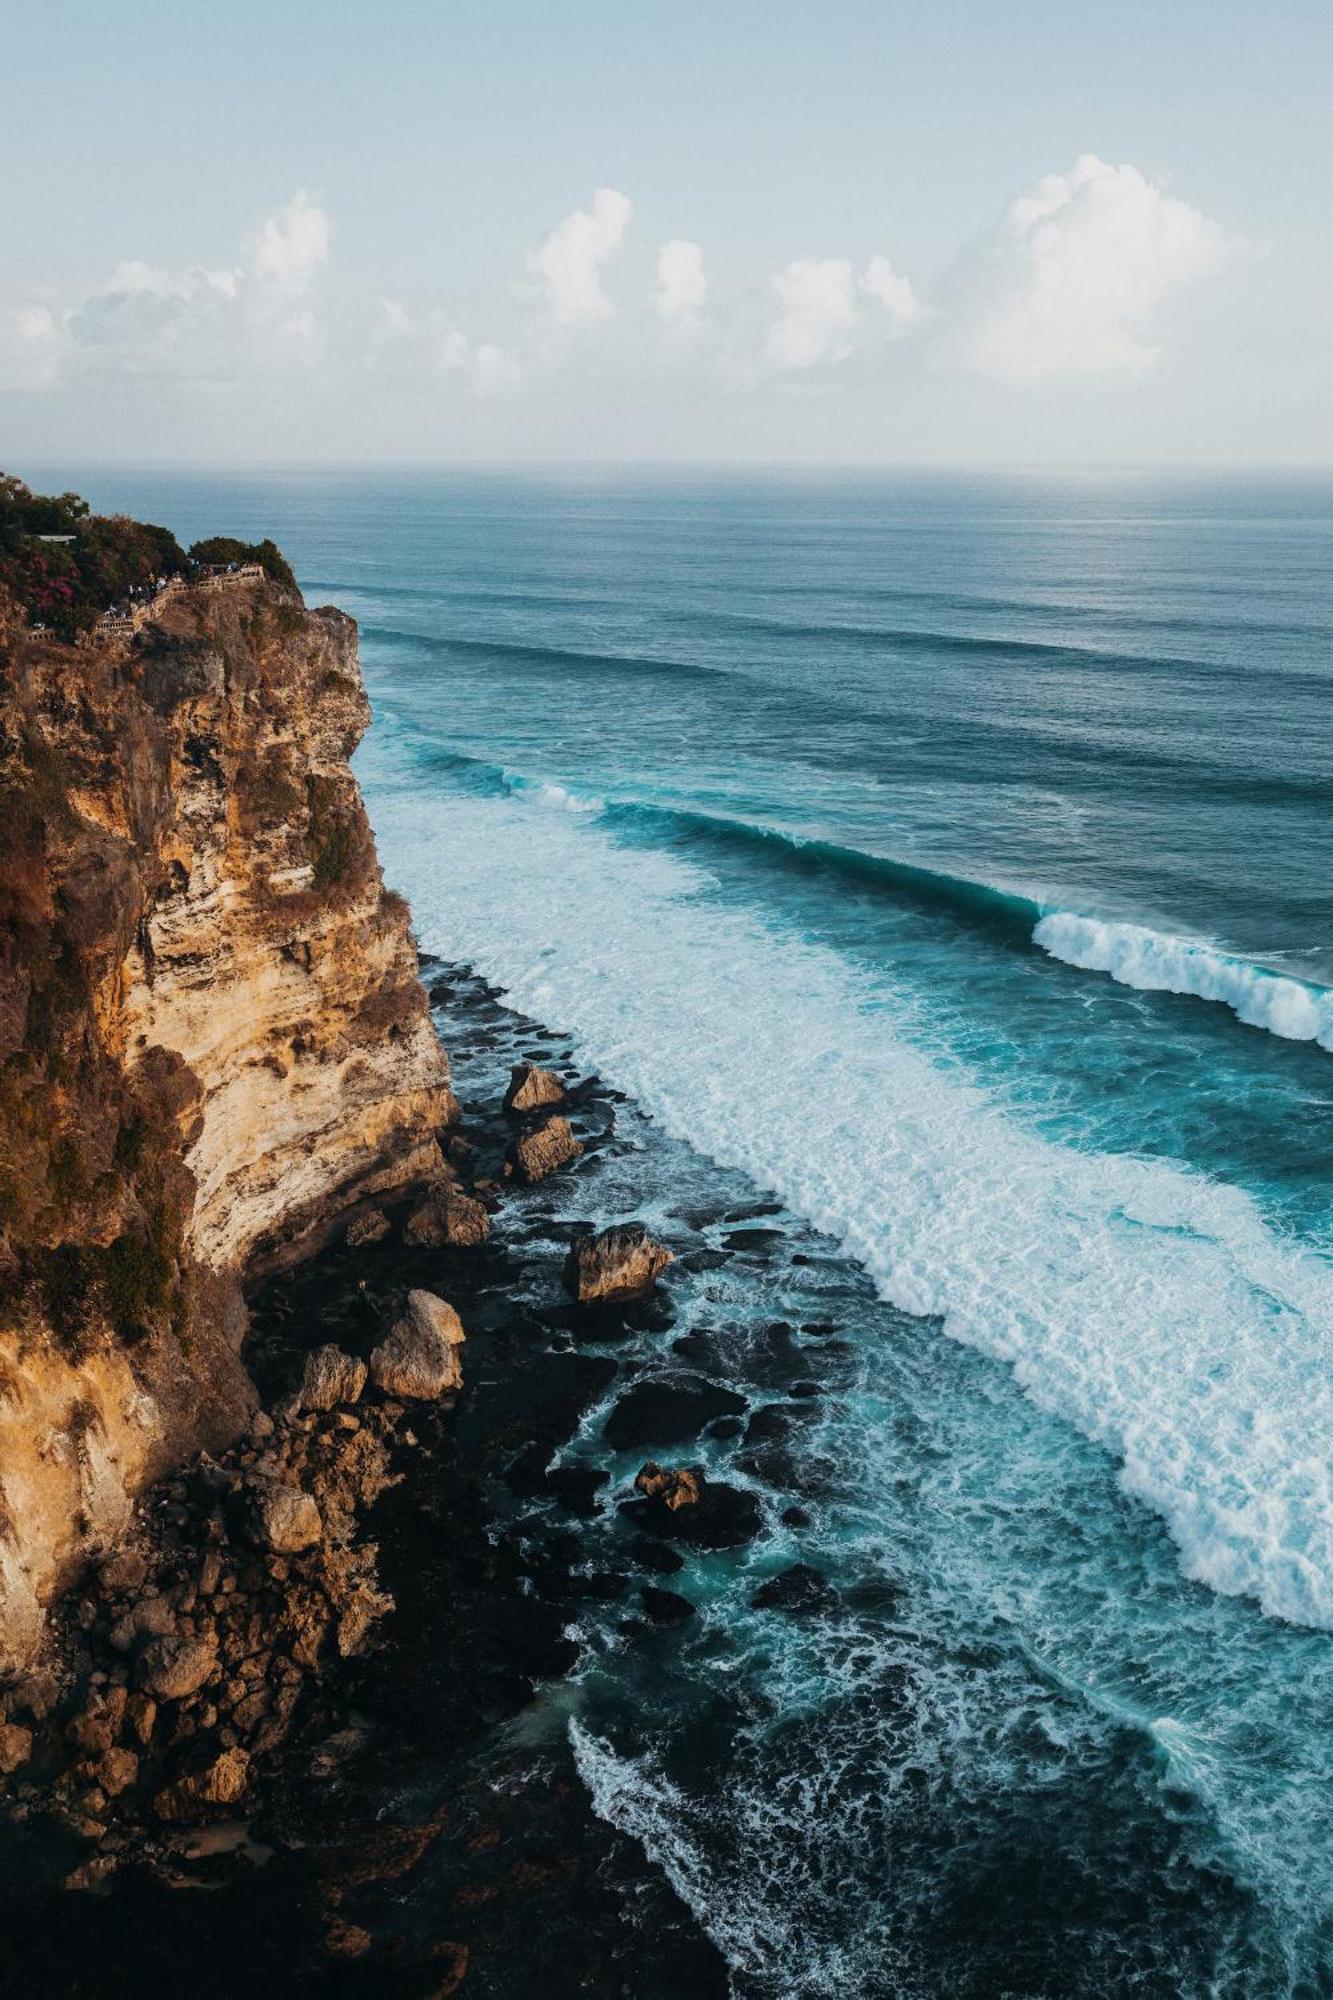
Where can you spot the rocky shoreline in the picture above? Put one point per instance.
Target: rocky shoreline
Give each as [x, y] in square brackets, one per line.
[319, 1679]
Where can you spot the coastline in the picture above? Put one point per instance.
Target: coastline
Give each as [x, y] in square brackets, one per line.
[446, 1842]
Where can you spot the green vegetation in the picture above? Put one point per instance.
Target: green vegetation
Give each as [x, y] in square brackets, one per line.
[101, 560]
[219, 550]
[67, 584]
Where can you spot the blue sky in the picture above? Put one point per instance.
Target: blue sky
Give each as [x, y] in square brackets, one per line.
[994, 231]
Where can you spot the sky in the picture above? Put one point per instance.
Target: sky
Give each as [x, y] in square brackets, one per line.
[802, 231]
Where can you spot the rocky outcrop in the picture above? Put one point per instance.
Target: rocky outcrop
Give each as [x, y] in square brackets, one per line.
[618, 1263]
[542, 1150]
[214, 1048]
[532, 1089]
[420, 1358]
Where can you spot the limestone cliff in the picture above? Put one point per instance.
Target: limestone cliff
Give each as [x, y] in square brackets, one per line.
[213, 1042]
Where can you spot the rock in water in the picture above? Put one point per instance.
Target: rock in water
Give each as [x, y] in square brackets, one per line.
[538, 1153]
[331, 1377]
[283, 1519]
[420, 1358]
[676, 1486]
[619, 1263]
[800, 1590]
[665, 1607]
[531, 1088]
[451, 1218]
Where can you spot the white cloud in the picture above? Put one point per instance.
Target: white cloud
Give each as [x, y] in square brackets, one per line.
[431, 337]
[292, 244]
[892, 291]
[818, 313]
[1081, 264]
[681, 285]
[31, 343]
[569, 261]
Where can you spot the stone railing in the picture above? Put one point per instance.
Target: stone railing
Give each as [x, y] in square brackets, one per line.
[125, 621]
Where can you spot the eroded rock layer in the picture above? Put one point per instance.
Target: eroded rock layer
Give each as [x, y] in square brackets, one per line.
[214, 1048]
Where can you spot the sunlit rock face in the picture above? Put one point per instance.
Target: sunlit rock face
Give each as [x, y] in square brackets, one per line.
[214, 1046]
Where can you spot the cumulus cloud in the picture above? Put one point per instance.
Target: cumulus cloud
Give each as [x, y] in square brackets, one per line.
[292, 244]
[569, 262]
[892, 291]
[31, 343]
[210, 327]
[431, 337]
[1080, 266]
[818, 313]
[681, 285]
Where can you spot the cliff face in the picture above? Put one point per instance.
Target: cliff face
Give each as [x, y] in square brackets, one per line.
[213, 1042]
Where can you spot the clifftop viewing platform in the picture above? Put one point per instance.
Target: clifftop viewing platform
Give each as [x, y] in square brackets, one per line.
[122, 621]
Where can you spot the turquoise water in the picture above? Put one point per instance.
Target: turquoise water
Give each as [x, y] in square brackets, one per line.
[950, 860]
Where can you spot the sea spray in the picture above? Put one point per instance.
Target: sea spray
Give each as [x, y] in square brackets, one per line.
[1151, 1307]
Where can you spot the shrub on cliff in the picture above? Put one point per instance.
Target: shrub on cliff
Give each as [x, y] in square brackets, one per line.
[97, 562]
[219, 550]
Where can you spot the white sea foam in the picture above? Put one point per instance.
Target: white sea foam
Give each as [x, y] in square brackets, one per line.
[1150, 1307]
[1156, 963]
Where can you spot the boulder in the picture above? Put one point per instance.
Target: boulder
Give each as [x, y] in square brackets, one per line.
[451, 1218]
[532, 1089]
[669, 1412]
[15, 1748]
[420, 1358]
[676, 1486]
[221, 1783]
[115, 1771]
[665, 1607]
[618, 1263]
[331, 1377]
[546, 1147]
[281, 1518]
[678, 1504]
[175, 1667]
[799, 1590]
[368, 1227]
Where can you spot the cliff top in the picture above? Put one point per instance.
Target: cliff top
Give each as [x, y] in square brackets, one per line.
[65, 566]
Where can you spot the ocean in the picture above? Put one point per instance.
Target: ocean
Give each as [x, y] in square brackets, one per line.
[943, 862]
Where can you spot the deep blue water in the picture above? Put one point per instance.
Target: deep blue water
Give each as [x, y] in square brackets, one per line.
[949, 858]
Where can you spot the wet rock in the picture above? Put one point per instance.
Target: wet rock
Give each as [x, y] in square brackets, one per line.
[719, 1517]
[372, 1226]
[799, 1590]
[15, 1748]
[676, 1486]
[223, 1782]
[795, 1517]
[282, 1519]
[618, 1263]
[725, 1429]
[668, 1412]
[753, 1239]
[331, 1377]
[545, 1148]
[447, 1218]
[532, 1088]
[659, 1557]
[421, 1359]
[175, 1667]
[665, 1607]
[576, 1486]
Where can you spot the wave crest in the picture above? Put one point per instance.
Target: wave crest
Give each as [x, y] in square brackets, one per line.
[1154, 962]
